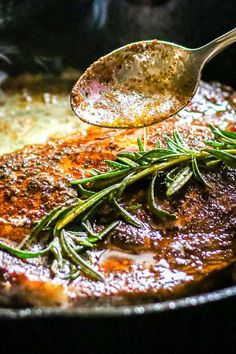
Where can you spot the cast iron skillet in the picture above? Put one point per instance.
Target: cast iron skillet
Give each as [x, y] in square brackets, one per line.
[114, 311]
[201, 323]
[185, 325]
[198, 324]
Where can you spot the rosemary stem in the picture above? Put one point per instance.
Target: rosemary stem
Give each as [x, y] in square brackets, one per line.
[88, 203]
[165, 165]
[181, 164]
[230, 151]
[157, 168]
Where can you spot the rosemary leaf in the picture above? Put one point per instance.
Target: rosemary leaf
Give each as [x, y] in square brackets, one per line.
[95, 172]
[92, 173]
[77, 240]
[171, 144]
[158, 154]
[87, 227]
[91, 211]
[72, 275]
[85, 192]
[129, 155]
[24, 254]
[158, 212]
[41, 225]
[222, 135]
[179, 140]
[44, 221]
[198, 174]
[126, 216]
[229, 134]
[164, 158]
[212, 163]
[181, 178]
[115, 164]
[140, 144]
[171, 175]
[61, 212]
[86, 243]
[133, 207]
[176, 144]
[102, 184]
[137, 155]
[215, 144]
[127, 161]
[57, 253]
[123, 185]
[77, 259]
[107, 230]
[77, 233]
[224, 156]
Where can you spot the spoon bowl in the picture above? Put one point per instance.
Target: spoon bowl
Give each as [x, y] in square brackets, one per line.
[142, 83]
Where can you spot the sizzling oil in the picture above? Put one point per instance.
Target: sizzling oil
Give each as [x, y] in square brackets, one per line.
[34, 108]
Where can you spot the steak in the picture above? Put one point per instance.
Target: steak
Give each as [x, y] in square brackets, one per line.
[158, 261]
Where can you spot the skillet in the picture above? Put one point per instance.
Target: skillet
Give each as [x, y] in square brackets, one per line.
[186, 320]
[114, 311]
[197, 324]
[203, 322]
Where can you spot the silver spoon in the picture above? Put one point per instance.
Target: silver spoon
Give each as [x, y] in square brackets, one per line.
[142, 83]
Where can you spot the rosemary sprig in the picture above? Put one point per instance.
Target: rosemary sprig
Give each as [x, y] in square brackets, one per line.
[69, 228]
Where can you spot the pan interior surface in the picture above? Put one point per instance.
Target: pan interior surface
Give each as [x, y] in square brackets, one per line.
[35, 108]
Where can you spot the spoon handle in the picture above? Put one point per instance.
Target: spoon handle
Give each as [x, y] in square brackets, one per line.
[209, 50]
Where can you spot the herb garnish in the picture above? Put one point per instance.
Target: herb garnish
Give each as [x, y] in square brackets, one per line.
[69, 230]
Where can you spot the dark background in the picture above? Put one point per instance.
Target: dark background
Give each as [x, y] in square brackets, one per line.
[50, 35]
[203, 329]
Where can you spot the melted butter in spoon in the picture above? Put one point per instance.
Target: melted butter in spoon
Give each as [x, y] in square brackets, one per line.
[142, 83]
[131, 88]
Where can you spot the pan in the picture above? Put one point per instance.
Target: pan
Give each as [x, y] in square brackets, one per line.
[201, 323]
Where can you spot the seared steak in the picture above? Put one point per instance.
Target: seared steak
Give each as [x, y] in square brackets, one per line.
[160, 260]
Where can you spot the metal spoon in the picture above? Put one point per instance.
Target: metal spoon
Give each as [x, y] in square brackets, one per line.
[142, 83]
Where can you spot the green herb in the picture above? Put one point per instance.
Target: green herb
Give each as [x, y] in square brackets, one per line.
[69, 229]
[179, 180]
[198, 174]
[140, 144]
[77, 259]
[155, 210]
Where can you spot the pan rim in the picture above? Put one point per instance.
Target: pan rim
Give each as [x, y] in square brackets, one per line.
[119, 311]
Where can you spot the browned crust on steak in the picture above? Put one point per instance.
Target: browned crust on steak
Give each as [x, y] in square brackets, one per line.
[157, 261]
